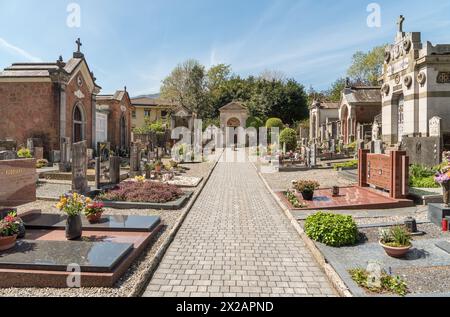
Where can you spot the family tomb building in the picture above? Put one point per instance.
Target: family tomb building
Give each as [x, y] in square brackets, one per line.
[114, 120]
[358, 108]
[416, 88]
[52, 101]
[324, 121]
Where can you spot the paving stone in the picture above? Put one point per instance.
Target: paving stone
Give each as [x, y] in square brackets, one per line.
[237, 241]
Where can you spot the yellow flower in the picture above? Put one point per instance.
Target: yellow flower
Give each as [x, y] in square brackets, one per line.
[88, 200]
[59, 206]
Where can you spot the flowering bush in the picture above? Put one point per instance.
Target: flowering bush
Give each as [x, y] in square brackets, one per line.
[10, 225]
[24, 153]
[73, 205]
[139, 179]
[41, 163]
[94, 208]
[306, 186]
[443, 176]
[150, 192]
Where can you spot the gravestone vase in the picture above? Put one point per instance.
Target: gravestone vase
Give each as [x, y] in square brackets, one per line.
[74, 228]
[446, 193]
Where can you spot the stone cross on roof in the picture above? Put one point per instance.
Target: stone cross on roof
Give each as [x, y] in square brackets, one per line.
[400, 22]
[79, 44]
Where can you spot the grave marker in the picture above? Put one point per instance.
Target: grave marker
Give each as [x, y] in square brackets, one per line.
[17, 182]
[79, 168]
[38, 153]
[114, 169]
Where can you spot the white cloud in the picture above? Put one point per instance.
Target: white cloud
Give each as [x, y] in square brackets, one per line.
[18, 51]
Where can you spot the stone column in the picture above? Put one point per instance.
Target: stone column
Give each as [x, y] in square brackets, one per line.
[62, 113]
[94, 121]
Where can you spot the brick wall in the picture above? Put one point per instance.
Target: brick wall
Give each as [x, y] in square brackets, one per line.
[29, 109]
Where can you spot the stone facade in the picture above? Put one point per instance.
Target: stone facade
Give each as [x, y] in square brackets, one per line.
[358, 109]
[233, 115]
[48, 100]
[324, 119]
[118, 110]
[416, 87]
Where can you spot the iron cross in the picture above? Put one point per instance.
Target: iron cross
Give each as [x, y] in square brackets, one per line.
[79, 44]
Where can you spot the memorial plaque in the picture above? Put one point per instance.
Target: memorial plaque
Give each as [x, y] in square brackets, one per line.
[435, 127]
[379, 170]
[99, 257]
[17, 182]
[79, 168]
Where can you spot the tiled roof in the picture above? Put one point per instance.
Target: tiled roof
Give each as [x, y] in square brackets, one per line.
[118, 95]
[37, 69]
[152, 102]
[363, 94]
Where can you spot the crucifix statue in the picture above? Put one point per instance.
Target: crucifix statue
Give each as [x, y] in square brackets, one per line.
[79, 44]
[400, 22]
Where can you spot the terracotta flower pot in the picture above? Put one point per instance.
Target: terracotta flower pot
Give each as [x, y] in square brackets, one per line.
[396, 252]
[94, 218]
[74, 228]
[158, 168]
[7, 243]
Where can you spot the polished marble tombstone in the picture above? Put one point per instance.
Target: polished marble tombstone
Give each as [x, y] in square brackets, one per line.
[17, 182]
[58, 255]
[37, 220]
[437, 212]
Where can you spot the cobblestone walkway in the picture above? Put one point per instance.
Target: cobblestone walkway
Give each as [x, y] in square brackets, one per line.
[236, 242]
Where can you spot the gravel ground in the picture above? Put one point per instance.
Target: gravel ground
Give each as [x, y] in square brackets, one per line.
[135, 274]
[326, 177]
[431, 280]
[431, 232]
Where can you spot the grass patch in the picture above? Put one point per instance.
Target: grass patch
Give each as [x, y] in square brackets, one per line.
[388, 284]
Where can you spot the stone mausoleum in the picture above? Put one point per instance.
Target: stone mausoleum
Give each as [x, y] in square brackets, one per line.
[114, 120]
[324, 121]
[416, 87]
[49, 100]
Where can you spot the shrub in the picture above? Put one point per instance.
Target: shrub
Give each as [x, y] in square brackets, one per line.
[274, 123]
[389, 284]
[306, 186]
[289, 137]
[255, 122]
[24, 153]
[149, 192]
[351, 146]
[350, 164]
[423, 177]
[332, 230]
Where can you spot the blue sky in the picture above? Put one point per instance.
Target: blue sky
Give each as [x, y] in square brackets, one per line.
[138, 42]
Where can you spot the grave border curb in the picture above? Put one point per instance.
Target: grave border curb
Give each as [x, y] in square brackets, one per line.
[336, 281]
[142, 284]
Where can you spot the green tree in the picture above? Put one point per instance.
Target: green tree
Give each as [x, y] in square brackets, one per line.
[335, 92]
[367, 67]
[289, 137]
[186, 86]
[255, 122]
[274, 123]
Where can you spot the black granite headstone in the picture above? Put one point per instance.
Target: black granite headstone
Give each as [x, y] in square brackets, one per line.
[108, 223]
[100, 257]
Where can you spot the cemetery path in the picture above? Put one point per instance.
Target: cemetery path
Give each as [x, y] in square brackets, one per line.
[237, 242]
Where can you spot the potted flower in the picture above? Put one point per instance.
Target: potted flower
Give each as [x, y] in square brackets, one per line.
[396, 241]
[94, 212]
[9, 229]
[149, 167]
[73, 205]
[443, 178]
[158, 166]
[306, 188]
